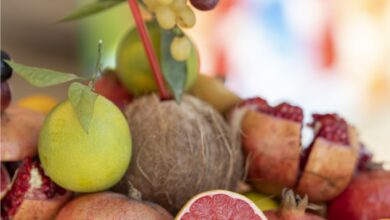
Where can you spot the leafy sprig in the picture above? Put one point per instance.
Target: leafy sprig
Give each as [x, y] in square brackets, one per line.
[91, 9]
[175, 72]
[81, 96]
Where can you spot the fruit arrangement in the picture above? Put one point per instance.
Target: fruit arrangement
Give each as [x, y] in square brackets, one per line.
[153, 139]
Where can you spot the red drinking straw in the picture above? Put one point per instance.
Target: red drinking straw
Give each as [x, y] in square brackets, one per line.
[151, 54]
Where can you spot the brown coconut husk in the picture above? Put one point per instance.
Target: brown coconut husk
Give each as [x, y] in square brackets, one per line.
[179, 151]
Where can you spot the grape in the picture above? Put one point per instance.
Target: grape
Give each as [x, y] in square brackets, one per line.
[204, 5]
[6, 70]
[151, 4]
[186, 17]
[180, 48]
[165, 2]
[5, 96]
[178, 5]
[165, 17]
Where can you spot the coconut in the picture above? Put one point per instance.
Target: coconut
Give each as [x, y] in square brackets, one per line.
[179, 150]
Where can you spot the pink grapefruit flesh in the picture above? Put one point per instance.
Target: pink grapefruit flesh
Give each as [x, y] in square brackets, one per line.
[220, 204]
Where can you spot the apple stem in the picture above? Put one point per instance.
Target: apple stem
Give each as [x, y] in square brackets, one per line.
[151, 54]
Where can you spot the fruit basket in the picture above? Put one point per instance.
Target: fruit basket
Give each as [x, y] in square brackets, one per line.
[153, 138]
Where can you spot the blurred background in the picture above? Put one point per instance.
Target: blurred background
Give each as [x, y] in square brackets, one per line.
[326, 56]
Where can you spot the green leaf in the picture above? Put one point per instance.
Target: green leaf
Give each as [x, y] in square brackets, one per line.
[91, 9]
[175, 72]
[83, 102]
[41, 77]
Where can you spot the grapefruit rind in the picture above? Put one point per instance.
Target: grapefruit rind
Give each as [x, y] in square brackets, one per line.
[187, 206]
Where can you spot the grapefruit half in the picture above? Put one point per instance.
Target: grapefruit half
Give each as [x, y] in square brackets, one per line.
[220, 204]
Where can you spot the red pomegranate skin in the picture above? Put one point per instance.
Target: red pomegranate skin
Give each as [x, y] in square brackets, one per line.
[366, 198]
[109, 205]
[291, 215]
[32, 194]
[19, 133]
[329, 163]
[5, 180]
[110, 87]
[271, 139]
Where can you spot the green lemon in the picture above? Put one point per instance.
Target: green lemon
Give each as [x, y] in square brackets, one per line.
[133, 66]
[80, 161]
[263, 202]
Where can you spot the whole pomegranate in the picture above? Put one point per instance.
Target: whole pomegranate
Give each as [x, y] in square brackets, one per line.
[19, 133]
[109, 205]
[292, 208]
[110, 87]
[367, 197]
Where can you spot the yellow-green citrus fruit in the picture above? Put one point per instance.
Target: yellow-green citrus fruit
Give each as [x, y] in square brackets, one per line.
[262, 201]
[80, 161]
[133, 66]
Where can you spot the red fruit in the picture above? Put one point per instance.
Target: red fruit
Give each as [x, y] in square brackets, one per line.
[204, 5]
[5, 180]
[329, 163]
[283, 110]
[292, 208]
[220, 204]
[109, 205]
[5, 96]
[366, 197]
[365, 158]
[32, 194]
[19, 133]
[331, 127]
[271, 138]
[110, 87]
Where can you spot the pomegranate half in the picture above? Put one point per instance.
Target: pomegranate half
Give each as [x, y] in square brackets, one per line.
[330, 161]
[271, 139]
[32, 194]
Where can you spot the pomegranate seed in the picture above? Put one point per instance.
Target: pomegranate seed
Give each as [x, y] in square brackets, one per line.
[283, 110]
[21, 186]
[365, 157]
[331, 127]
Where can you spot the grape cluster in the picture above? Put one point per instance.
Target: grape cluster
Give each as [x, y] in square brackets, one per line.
[170, 13]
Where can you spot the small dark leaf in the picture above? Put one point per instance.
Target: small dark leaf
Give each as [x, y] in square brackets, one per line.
[175, 72]
[41, 77]
[91, 9]
[83, 102]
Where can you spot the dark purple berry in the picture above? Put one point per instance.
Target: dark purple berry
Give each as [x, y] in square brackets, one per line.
[6, 70]
[204, 5]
